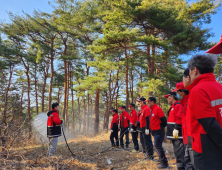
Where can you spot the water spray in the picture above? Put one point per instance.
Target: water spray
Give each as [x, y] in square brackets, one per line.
[40, 125]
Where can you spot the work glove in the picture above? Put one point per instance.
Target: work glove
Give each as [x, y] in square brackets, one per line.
[147, 132]
[175, 133]
[131, 130]
[111, 131]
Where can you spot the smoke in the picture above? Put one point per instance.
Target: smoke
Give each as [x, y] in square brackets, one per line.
[40, 126]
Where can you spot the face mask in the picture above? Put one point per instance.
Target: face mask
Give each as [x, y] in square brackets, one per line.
[179, 97]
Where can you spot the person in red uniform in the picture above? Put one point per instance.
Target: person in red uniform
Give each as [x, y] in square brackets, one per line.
[137, 124]
[114, 129]
[205, 110]
[134, 132]
[184, 94]
[124, 126]
[53, 128]
[144, 124]
[158, 123]
[174, 129]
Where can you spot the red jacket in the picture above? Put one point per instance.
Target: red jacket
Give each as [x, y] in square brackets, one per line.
[53, 124]
[145, 113]
[155, 117]
[133, 117]
[205, 116]
[184, 103]
[115, 121]
[174, 120]
[124, 120]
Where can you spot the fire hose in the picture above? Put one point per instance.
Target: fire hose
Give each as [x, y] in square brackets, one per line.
[67, 143]
[94, 153]
[110, 146]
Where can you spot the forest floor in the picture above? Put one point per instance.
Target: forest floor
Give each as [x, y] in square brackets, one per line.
[34, 157]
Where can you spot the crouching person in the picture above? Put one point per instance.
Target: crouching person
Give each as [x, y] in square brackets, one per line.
[114, 129]
[53, 128]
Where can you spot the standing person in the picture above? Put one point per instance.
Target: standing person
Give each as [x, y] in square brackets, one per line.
[137, 124]
[158, 122]
[205, 113]
[134, 132]
[114, 129]
[144, 127]
[184, 94]
[174, 131]
[53, 128]
[124, 126]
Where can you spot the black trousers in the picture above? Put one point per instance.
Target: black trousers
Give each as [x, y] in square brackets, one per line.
[113, 135]
[179, 152]
[142, 142]
[148, 144]
[158, 143]
[135, 140]
[125, 134]
[188, 158]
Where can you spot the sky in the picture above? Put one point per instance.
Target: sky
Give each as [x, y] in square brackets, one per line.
[28, 6]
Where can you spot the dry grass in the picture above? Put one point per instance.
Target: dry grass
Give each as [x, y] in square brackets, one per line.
[34, 157]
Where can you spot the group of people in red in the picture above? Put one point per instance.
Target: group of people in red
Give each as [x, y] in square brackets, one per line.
[193, 122]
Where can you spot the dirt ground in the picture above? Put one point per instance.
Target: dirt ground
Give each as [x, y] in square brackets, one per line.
[34, 157]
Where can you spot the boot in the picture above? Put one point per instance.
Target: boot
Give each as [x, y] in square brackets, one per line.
[149, 158]
[163, 166]
[158, 162]
[127, 148]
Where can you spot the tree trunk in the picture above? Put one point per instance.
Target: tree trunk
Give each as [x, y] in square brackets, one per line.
[79, 115]
[29, 104]
[36, 93]
[141, 79]
[51, 79]
[105, 125]
[67, 98]
[127, 90]
[58, 96]
[20, 113]
[148, 59]
[153, 60]
[91, 113]
[6, 94]
[132, 84]
[2, 139]
[84, 116]
[96, 114]
[117, 92]
[65, 91]
[43, 89]
[88, 113]
[73, 114]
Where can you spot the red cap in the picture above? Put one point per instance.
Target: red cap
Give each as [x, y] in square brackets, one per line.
[120, 108]
[217, 49]
[147, 100]
[166, 96]
[179, 86]
[129, 105]
[112, 111]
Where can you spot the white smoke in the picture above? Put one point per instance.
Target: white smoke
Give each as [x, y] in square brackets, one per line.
[40, 126]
